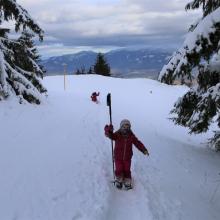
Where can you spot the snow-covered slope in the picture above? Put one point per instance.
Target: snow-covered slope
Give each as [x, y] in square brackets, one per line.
[55, 161]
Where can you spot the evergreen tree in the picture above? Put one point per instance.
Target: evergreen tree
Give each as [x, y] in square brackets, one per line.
[90, 71]
[200, 55]
[77, 72]
[101, 66]
[81, 71]
[20, 72]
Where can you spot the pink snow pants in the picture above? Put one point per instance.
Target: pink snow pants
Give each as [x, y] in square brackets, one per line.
[123, 168]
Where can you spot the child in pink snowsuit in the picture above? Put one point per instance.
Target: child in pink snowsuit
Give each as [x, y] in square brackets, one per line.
[94, 97]
[124, 138]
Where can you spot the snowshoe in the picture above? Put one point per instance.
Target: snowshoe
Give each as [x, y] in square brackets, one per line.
[118, 184]
[128, 186]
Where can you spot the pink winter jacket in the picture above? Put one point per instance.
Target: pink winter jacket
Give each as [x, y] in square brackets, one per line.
[123, 144]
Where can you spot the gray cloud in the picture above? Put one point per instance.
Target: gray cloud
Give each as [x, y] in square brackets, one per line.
[112, 23]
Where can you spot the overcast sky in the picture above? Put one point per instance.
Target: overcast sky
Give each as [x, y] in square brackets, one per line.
[101, 25]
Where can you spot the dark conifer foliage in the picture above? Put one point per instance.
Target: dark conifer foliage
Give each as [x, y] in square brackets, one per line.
[198, 58]
[90, 71]
[101, 66]
[208, 6]
[11, 10]
[20, 71]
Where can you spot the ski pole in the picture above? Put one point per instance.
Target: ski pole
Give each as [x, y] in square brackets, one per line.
[110, 114]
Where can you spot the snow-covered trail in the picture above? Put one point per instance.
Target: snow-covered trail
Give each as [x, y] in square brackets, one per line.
[51, 162]
[56, 161]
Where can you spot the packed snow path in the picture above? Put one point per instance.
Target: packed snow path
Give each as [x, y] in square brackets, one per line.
[55, 161]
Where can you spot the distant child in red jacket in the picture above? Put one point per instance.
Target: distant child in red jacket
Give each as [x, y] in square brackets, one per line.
[94, 97]
[124, 138]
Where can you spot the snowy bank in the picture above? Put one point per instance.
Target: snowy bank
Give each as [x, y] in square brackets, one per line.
[56, 162]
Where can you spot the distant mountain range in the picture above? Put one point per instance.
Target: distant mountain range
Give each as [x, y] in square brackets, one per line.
[123, 63]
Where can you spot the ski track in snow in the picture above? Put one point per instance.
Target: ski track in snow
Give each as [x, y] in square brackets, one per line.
[61, 169]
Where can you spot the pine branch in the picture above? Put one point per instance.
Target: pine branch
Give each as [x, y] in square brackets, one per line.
[11, 10]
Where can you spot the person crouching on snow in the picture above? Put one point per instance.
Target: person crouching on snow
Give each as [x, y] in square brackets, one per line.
[124, 138]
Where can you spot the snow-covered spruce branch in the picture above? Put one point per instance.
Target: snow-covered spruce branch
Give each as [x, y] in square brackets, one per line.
[37, 69]
[7, 42]
[208, 6]
[196, 110]
[34, 79]
[39, 72]
[20, 72]
[6, 46]
[20, 77]
[207, 108]
[26, 84]
[32, 59]
[11, 10]
[200, 45]
[11, 75]
[4, 88]
[199, 55]
[215, 141]
[23, 87]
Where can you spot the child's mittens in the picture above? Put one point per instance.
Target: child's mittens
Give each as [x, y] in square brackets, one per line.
[108, 129]
[146, 152]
